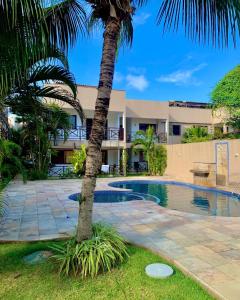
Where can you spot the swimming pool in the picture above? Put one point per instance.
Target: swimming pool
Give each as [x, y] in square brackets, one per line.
[114, 196]
[185, 197]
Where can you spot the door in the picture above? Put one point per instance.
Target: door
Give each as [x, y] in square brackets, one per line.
[89, 123]
[222, 163]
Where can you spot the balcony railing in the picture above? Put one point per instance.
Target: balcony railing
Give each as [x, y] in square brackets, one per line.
[160, 137]
[83, 134]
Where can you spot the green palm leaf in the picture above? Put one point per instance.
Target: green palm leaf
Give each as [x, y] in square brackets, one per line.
[215, 21]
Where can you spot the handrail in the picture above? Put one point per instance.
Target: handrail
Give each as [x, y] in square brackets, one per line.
[83, 133]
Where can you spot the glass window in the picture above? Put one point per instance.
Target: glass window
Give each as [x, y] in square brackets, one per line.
[144, 127]
[175, 129]
[73, 121]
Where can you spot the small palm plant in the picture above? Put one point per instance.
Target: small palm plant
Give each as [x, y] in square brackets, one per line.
[145, 141]
[103, 251]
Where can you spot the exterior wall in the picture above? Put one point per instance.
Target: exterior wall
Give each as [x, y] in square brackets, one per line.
[113, 157]
[181, 158]
[87, 96]
[190, 115]
[147, 109]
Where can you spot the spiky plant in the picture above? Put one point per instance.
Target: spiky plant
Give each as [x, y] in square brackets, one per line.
[103, 251]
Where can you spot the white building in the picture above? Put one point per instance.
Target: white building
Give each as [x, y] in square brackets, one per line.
[169, 118]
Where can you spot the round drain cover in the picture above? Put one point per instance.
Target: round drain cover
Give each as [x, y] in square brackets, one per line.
[158, 270]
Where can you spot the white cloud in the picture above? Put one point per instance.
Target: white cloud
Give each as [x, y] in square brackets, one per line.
[136, 70]
[118, 77]
[138, 82]
[182, 77]
[141, 19]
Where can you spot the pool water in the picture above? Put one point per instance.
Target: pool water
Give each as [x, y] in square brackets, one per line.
[184, 197]
[114, 196]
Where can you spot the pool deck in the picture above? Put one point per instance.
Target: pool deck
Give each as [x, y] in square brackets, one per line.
[207, 248]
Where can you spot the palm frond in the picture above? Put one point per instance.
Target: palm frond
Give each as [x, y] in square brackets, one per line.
[58, 93]
[208, 21]
[65, 20]
[51, 73]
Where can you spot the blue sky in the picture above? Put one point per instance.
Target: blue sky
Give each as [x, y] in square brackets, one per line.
[157, 67]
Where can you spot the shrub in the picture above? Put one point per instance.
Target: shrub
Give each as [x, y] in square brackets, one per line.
[105, 250]
[196, 134]
[157, 160]
[34, 174]
[78, 160]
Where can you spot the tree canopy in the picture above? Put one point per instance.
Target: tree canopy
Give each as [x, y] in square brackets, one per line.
[227, 91]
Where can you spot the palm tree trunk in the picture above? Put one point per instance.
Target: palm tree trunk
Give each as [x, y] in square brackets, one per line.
[93, 162]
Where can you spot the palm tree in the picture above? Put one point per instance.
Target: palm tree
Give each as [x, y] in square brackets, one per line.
[39, 121]
[29, 29]
[145, 141]
[205, 20]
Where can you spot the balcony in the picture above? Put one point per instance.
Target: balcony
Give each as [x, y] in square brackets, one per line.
[160, 137]
[83, 133]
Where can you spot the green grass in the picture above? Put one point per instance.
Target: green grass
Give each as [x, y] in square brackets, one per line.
[21, 281]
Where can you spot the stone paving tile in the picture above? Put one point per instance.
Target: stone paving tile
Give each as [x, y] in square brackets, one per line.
[206, 247]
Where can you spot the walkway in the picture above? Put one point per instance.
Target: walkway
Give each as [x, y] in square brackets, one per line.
[208, 248]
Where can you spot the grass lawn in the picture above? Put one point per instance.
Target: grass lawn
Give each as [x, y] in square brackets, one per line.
[128, 282]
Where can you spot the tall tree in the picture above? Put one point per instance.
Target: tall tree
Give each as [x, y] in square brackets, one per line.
[204, 20]
[226, 98]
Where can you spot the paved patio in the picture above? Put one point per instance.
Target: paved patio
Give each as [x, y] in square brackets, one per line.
[208, 248]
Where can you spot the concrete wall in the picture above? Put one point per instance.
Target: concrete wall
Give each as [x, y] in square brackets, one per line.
[182, 156]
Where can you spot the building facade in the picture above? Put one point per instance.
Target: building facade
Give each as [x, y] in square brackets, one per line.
[168, 118]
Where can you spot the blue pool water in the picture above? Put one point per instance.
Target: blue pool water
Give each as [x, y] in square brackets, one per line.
[113, 196]
[182, 197]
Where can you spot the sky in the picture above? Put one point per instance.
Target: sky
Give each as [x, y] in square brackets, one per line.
[158, 66]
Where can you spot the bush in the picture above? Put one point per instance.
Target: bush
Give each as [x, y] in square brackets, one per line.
[158, 160]
[105, 250]
[37, 174]
[195, 135]
[79, 160]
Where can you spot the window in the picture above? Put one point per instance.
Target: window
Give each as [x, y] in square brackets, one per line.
[144, 126]
[73, 121]
[175, 129]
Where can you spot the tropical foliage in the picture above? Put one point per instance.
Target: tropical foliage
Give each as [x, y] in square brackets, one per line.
[144, 141]
[158, 160]
[155, 155]
[226, 98]
[196, 134]
[30, 31]
[39, 125]
[78, 160]
[103, 251]
[10, 160]
[227, 91]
